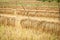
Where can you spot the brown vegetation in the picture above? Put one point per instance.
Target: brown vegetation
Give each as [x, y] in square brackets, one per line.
[23, 28]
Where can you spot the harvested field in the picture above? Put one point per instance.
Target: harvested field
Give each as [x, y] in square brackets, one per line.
[29, 21]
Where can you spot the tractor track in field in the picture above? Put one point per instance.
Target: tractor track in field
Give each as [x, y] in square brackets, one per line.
[33, 13]
[19, 17]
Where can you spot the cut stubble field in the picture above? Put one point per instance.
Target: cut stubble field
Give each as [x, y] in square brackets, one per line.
[29, 23]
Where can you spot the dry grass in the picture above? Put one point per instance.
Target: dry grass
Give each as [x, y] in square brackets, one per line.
[29, 29]
[17, 33]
